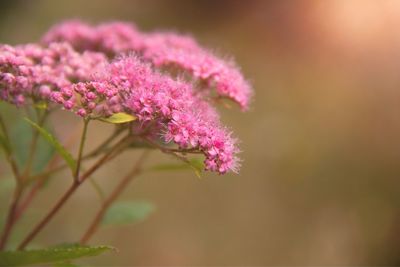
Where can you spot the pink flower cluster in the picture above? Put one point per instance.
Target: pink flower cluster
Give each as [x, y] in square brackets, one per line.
[82, 69]
[37, 72]
[132, 86]
[163, 49]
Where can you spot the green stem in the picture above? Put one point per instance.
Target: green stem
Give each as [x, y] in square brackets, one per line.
[82, 143]
[102, 148]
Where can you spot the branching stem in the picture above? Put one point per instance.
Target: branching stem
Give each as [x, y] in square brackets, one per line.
[10, 217]
[112, 197]
[75, 185]
[18, 189]
[41, 178]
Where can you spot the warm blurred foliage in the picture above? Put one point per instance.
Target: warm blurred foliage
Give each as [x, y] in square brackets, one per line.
[320, 182]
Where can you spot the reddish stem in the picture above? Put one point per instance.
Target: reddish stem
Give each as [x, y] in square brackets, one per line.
[49, 216]
[67, 195]
[10, 217]
[113, 196]
[32, 193]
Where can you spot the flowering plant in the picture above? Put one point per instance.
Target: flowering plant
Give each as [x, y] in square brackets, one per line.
[158, 89]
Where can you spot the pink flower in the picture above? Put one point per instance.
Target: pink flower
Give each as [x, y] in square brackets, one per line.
[80, 68]
[162, 49]
[40, 72]
[179, 115]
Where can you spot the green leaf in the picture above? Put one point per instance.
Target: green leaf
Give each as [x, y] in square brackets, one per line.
[41, 105]
[128, 212]
[49, 255]
[120, 117]
[44, 152]
[4, 144]
[195, 164]
[56, 144]
[21, 137]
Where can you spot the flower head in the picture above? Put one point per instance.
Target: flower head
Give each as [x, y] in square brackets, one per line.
[39, 72]
[97, 71]
[162, 49]
[178, 114]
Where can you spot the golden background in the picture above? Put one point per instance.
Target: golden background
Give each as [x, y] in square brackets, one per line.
[320, 182]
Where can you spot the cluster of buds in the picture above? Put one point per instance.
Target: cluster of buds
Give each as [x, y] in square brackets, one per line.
[166, 80]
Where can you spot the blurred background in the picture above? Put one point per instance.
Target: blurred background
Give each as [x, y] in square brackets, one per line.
[320, 182]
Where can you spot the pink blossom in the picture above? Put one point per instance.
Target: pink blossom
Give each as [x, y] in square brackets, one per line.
[162, 49]
[40, 72]
[80, 68]
[178, 114]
